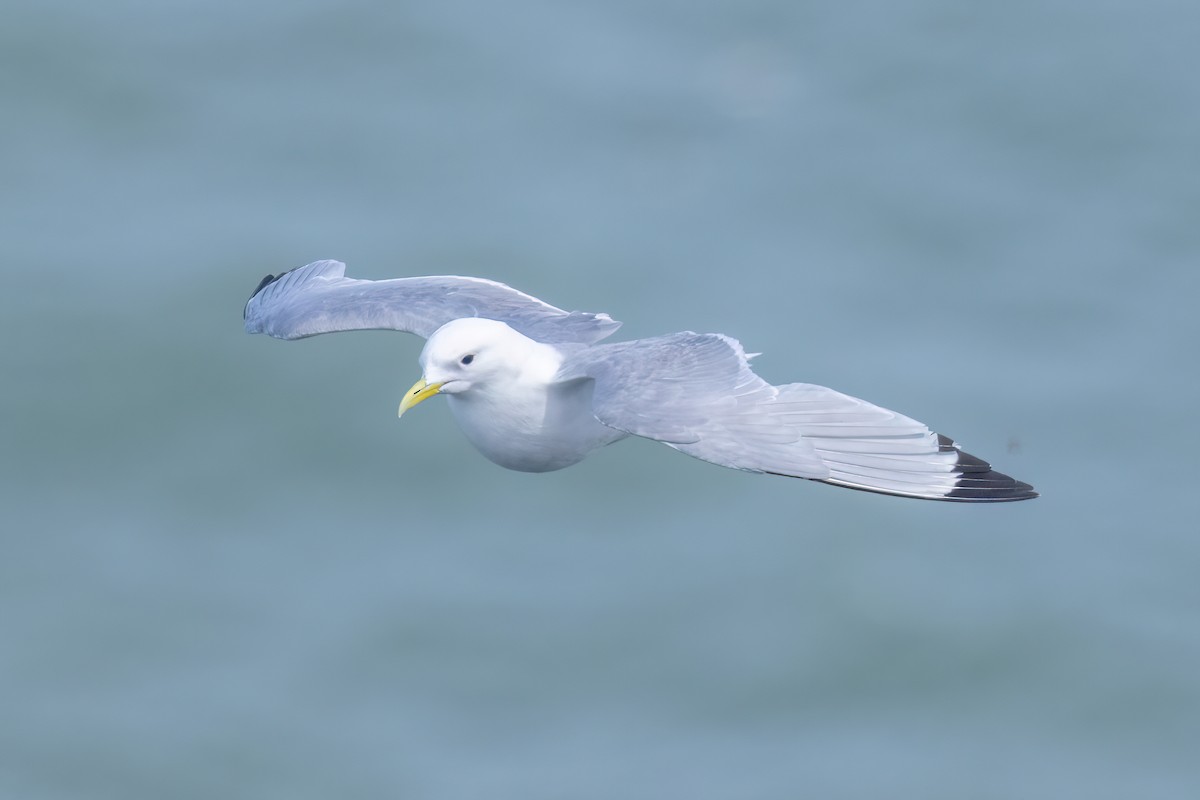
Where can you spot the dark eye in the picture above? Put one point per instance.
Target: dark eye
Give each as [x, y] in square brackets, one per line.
[468, 358]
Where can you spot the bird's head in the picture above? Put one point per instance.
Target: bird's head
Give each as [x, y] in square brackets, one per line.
[468, 354]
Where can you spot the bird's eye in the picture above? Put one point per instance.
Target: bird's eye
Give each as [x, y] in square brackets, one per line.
[468, 358]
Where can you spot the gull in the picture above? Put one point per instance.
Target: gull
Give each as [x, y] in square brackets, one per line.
[533, 388]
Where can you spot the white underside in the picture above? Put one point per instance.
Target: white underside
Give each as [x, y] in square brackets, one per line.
[532, 428]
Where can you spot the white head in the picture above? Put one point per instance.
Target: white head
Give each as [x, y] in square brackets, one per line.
[466, 354]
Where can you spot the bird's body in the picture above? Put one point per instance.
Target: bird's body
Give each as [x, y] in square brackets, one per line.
[530, 420]
[533, 389]
[520, 430]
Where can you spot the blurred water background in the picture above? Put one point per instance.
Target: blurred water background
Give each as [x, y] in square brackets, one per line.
[228, 571]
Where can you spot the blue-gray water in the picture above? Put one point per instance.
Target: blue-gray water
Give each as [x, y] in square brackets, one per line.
[228, 571]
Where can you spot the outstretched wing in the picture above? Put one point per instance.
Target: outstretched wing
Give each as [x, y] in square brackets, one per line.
[697, 393]
[319, 298]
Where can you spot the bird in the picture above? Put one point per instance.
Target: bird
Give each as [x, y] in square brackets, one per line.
[535, 388]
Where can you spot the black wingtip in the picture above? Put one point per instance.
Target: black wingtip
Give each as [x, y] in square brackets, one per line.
[268, 280]
[990, 487]
[979, 483]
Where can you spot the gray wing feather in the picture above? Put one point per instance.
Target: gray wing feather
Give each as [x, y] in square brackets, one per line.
[697, 393]
[318, 298]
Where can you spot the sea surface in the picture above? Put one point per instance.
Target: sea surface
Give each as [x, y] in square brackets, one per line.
[228, 571]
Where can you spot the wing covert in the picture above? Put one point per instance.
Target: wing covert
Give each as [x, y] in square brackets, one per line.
[696, 393]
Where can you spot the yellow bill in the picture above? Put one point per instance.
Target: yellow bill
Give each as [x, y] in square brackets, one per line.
[419, 391]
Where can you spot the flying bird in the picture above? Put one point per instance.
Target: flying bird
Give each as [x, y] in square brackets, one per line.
[535, 389]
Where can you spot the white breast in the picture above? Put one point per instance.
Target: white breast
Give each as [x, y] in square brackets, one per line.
[530, 423]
